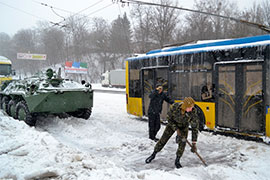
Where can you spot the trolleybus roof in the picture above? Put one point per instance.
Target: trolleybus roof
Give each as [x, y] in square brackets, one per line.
[205, 46]
[4, 60]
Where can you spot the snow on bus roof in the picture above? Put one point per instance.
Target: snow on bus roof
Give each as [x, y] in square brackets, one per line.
[4, 60]
[239, 61]
[208, 45]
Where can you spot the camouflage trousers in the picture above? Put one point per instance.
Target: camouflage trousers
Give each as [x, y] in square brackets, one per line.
[168, 132]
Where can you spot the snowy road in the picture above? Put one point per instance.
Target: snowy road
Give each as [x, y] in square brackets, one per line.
[114, 145]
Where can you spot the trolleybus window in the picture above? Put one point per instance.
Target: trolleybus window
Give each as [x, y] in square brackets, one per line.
[5, 69]
[186, 84]
[190, 74]
[134, 79]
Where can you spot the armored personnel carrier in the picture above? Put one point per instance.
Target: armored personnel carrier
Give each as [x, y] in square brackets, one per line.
[45, 94]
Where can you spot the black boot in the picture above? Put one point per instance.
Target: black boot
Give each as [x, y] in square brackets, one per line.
[177, 162]
[150, 158]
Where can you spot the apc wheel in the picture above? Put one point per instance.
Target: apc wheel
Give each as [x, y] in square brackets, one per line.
[4, 103]
[86, 114]
[22, 113]
[11, 108]
[83, 113]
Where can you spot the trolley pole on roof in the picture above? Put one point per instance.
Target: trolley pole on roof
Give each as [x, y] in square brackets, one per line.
[260, 26]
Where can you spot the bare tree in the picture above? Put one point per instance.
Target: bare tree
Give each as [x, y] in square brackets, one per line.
[266, 12]
[154, 26]
[52, 43]
[120, 41]
[201, 26]
[220, 7]
[141, 17]
[253, 14]
[120, 35]
[6, 45]
[198, 27]
[77, 34]
[25, 41]
[164, 22]
[100, 41]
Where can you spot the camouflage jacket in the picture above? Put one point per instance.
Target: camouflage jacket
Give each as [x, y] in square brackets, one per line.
[180, 121]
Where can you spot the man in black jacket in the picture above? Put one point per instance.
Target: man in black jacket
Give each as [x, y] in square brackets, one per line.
[155, 108]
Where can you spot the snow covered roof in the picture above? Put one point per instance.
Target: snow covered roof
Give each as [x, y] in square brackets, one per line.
[239, 61]
[4, 60]
[205, 46]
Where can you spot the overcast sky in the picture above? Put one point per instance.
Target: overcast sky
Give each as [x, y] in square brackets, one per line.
[24, 14]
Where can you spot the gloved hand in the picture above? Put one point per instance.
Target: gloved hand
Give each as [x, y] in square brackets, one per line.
[193, 147]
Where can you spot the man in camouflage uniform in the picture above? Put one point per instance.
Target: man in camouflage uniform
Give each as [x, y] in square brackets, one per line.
[180, 116]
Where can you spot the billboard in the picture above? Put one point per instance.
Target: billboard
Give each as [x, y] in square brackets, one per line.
[29, 56]
[76, 67]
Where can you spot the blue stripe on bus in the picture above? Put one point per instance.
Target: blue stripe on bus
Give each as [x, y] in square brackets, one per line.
[212, 44]
[198, 48]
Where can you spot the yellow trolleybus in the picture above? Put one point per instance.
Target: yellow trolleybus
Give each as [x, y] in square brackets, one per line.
[235, 72]
[5, 69]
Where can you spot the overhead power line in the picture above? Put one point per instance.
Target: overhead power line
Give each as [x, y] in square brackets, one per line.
[79, 12]
[58, 24]
[30, 14]
[23, 11]
[99, 9]
[73, 14]
[260, 26]
[88, 7]
[57, 14]
[52, 7]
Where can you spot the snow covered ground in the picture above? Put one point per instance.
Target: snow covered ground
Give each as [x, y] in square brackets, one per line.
[98, 87]
[114, 145]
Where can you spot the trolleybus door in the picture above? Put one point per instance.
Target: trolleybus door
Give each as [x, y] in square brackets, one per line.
[225, 105]
[148, 86]
[252, 114]
[239, 101]
[162, 78]
[152, 77]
